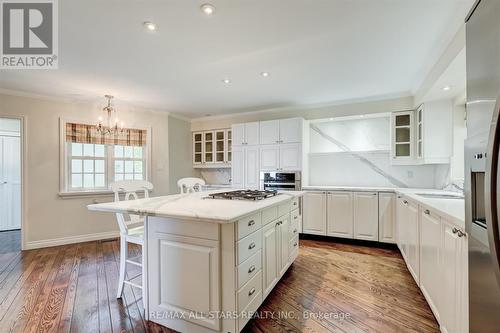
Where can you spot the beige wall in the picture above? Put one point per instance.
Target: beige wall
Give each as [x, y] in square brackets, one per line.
[48, 216]
[317, 112]
[181, 165]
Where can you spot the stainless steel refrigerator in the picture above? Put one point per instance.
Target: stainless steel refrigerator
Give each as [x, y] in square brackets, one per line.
[482, 178]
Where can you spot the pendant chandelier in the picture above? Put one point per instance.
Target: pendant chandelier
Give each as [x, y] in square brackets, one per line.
[110, 126]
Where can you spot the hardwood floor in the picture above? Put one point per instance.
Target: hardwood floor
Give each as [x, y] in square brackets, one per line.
[72, 289]
[10, 241]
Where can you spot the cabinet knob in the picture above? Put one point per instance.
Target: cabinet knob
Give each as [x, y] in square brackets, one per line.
[461, 234]
[427, 212]
[251, 269]
[454, 230]
[251, 246]
[251, 292]
[405, 202]
[294, 231]
[295, 244]
[251, 223]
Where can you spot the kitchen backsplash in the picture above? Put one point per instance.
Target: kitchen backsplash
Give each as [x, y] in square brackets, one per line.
[216, 176]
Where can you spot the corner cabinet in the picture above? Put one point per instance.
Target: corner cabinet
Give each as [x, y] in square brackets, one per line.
[212, 149]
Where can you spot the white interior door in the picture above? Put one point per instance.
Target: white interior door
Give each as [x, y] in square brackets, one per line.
[10, 183]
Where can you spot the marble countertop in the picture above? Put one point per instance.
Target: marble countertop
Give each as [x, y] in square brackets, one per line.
[194, 206]
[452, 210]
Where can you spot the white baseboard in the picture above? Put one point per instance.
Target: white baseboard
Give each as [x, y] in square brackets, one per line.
[71, 240]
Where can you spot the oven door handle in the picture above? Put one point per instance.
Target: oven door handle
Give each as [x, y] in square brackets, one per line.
[491, 189]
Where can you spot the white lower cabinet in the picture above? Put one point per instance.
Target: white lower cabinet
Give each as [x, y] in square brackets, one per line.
[314, 215]
[284, 240]
[387, 217]
[430, 267]
[339, 210]
[366, 215]
[245, 167]
[269, 256]
[454, 316]
[413, 240]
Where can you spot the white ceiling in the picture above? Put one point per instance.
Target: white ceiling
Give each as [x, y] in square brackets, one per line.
[317, 52]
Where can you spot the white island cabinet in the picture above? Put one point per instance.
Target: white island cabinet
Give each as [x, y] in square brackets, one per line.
[210, 263]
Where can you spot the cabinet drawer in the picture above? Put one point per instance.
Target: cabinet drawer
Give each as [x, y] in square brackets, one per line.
[295, 203]
[249, 268]
[294, 244]
[249, 245]
[249, 291]
[284, 208]
[249, 311]
[269, 215]
[249, 224]
[294, 228]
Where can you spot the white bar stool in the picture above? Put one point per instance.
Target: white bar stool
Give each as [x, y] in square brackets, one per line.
[190, 184]
[131, 230]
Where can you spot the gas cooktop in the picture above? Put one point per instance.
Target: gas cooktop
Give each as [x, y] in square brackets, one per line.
[244, 195]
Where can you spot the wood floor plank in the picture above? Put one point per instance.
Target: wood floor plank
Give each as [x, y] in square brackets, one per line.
[73, 288]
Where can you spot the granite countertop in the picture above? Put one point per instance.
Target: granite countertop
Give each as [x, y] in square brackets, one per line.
[194, 206]
[452, 210]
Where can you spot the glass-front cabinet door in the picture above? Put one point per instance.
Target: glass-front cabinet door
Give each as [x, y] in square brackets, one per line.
[229, 143]
[220, 141]
[197, 147]
[402, 144]
[208, 149]
[420, 120]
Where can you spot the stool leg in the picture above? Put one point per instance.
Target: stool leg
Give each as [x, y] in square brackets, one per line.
[123, 258]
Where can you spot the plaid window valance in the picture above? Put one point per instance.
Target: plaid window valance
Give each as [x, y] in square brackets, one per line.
[81, 133]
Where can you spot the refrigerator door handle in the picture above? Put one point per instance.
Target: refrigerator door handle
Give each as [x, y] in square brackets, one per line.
[491, 189]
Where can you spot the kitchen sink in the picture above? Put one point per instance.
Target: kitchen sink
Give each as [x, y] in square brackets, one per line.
[440, 196]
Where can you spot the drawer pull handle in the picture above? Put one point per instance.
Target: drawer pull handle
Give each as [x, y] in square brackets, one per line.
[295, 230]
[454, 230]
[295, 217]
[251, 246]
[251, 223]
[460, 233]
[405, 202]
[427, 212]
[295, 203]
[251, 292]
[279, 223]
[251, 269]
[295, 244]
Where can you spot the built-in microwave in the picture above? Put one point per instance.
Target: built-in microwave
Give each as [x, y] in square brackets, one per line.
[284, 181]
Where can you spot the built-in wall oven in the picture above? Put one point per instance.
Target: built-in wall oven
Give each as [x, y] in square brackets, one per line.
[282, 180]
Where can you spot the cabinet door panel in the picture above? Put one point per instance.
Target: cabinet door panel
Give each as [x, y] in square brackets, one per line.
[451, 272]
[284, 243]
[413, 240]
[252, 133]
[366, 216]
[238, 167]
[290, 130]
[340, 214]
[430, 268]
[291, 157]
[269, 257]
[314, 214]
[401, 223]
[252, 167]
[269, 132]
[238, 134]
[387, 217]
[269, 157]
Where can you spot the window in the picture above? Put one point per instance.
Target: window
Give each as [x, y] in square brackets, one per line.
[92, 161]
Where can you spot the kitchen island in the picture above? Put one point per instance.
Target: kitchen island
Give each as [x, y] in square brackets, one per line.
[210, 263]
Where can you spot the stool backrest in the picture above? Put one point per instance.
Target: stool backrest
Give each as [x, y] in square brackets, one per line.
[190, 184]
[130, 189]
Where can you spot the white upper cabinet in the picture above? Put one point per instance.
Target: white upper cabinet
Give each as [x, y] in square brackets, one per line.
[238, 131]
[291, 130]
[269, 157]
[252, 167]
[281, 131]
[238, 167]
[366, 215]
[423, 136]
[340, 214]
[290, 157]
[245, 134]
[434, 132]
[212, 149]
[402, 137]
[269, 132]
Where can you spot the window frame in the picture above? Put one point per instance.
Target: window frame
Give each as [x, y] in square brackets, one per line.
[65, 189]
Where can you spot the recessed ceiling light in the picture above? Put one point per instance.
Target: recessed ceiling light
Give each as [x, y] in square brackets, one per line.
[208, 9]
[150, 26]
[226, 81]
[265, 74]
[446, 88]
